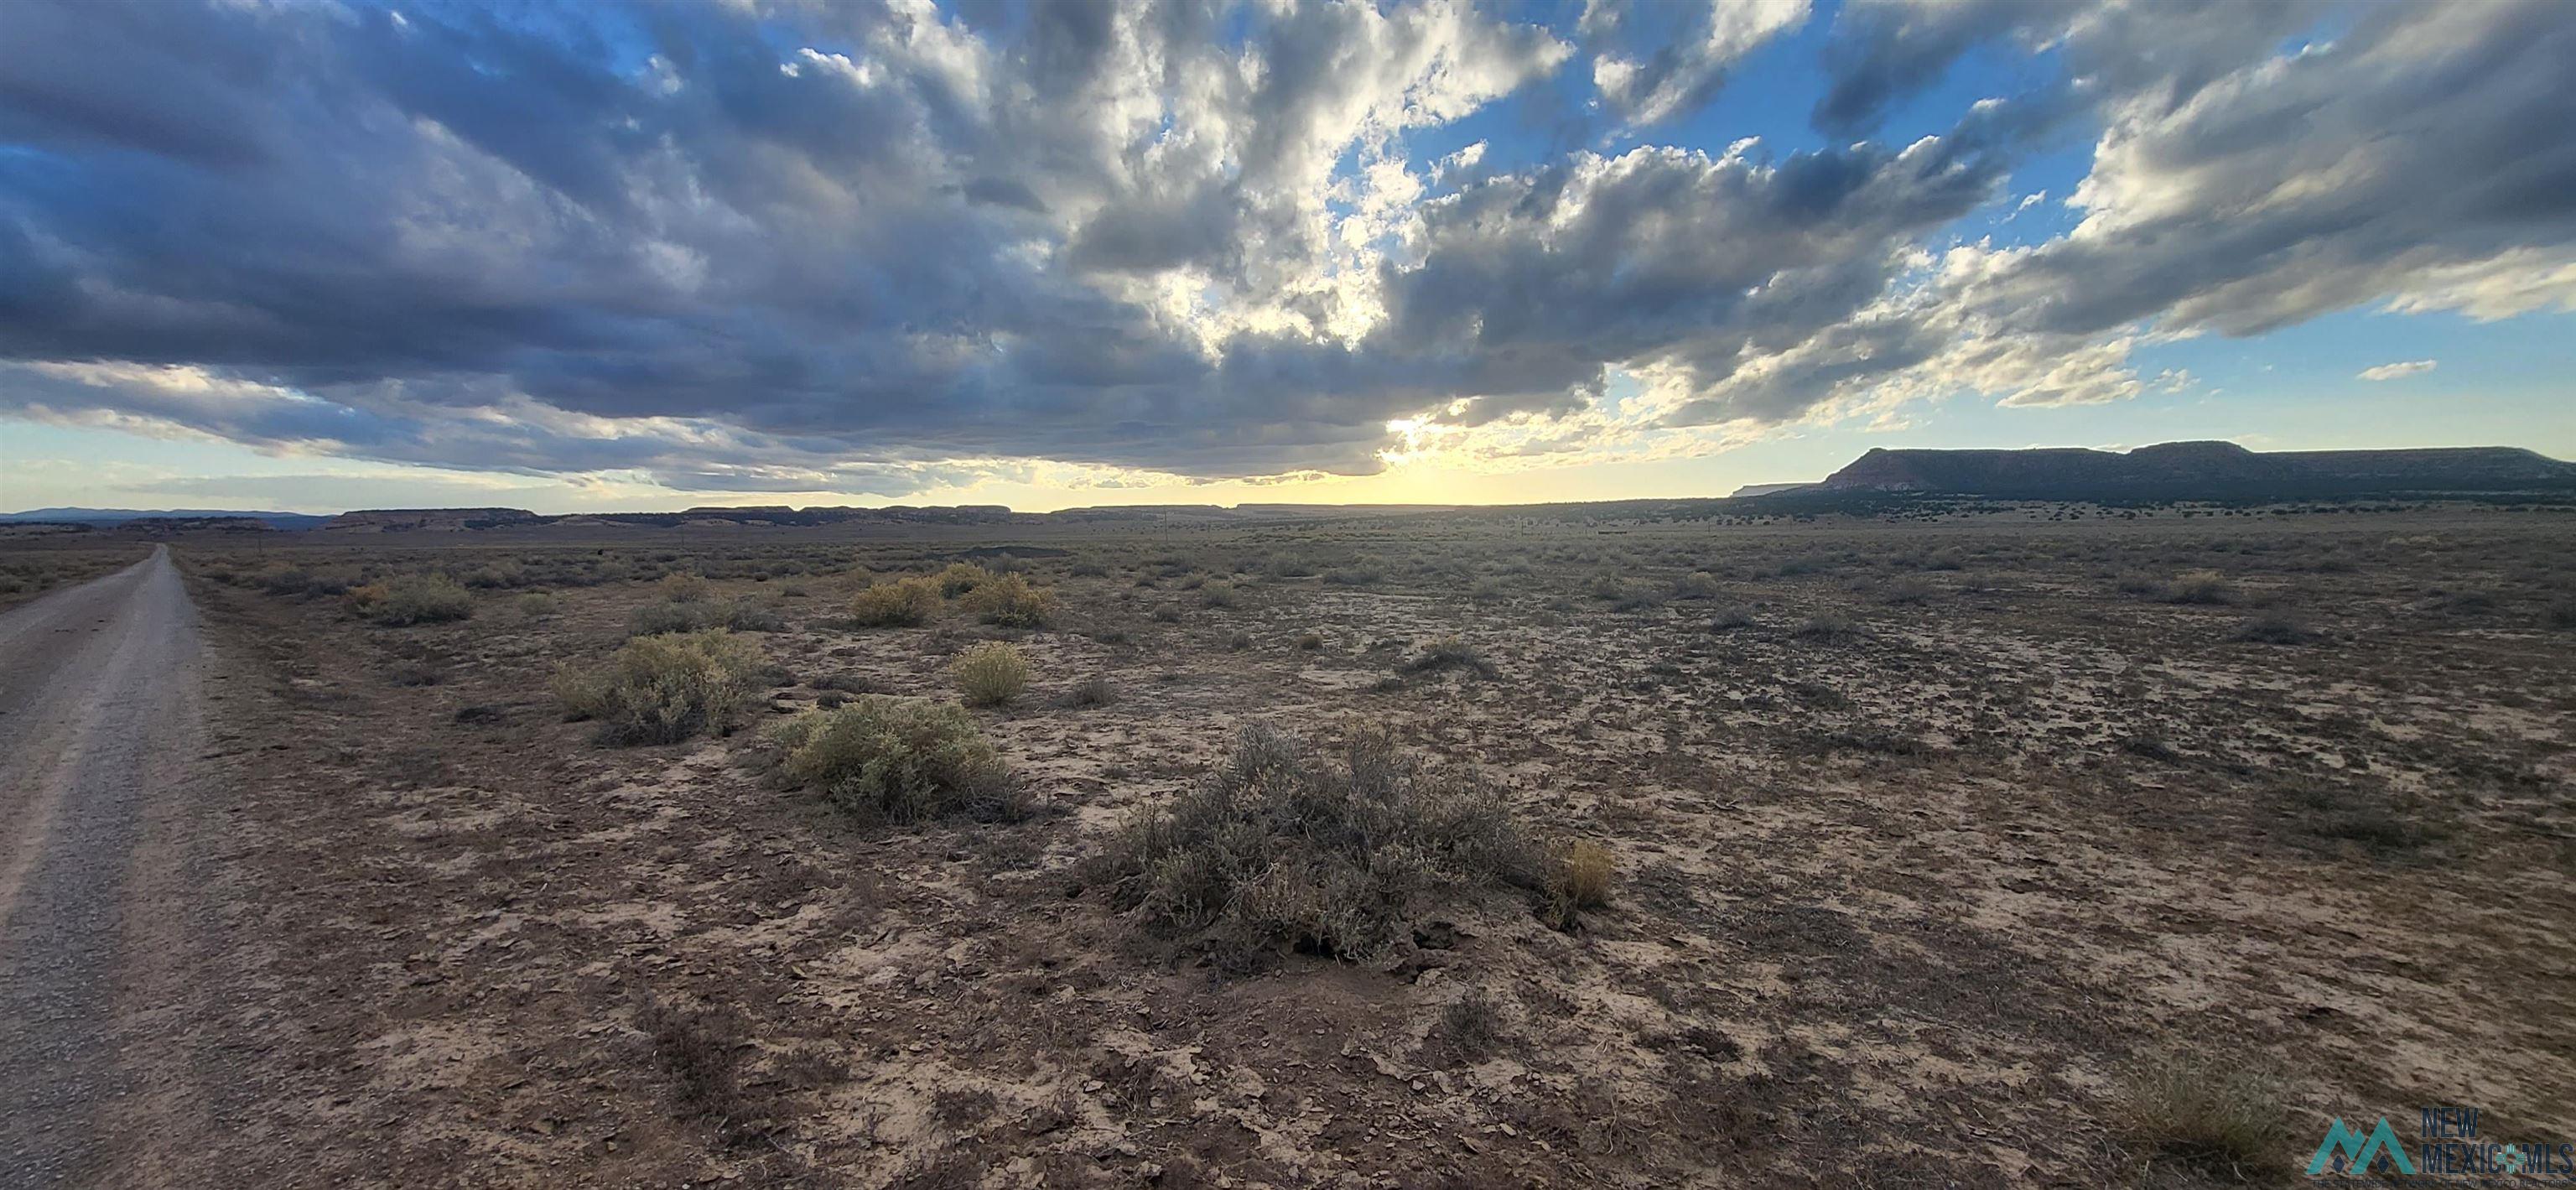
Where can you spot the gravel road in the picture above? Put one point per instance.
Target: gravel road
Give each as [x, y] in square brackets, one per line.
[101, 721]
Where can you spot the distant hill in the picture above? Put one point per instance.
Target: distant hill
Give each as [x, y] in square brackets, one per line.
[118, 516]
[1767, 489]
[2203, 470]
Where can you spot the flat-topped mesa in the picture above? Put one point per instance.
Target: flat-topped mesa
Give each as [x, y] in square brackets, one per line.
[2188, 470]
[402, 520]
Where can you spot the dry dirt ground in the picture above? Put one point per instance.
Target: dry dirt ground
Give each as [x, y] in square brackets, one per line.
[33, 562]
[1927, 833]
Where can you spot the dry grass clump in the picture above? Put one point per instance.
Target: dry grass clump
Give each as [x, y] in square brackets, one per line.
[899, 760]
[2206, 587]
[2274, 629]
[1728, 619]
[1909, 591]
[700, 1051]
[664, 689]
[1579, 880]
[1221, 594]
[1009, 601]
[1828, 628]
[429, 599]
[1280, 847]
[962, 577]
[1449, 652]
[1093, 691]
[1699, 584]
[992, 674]
[900, 603]
[1472, 1026]
[2223, 1117]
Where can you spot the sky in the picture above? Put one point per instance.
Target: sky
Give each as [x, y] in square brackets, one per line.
[310, 256]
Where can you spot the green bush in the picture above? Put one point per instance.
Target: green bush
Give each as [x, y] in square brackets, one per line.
[433, 599]
[1278, 848]
[888, 759]
[664, 688]
[1011, 602]
[992, 674]
[901, 603]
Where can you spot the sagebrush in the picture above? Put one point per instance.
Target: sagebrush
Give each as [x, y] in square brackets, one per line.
[666, 688]
[1328, 854]
[887, 759]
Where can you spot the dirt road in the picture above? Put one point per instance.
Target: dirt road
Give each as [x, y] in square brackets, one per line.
[100, 723]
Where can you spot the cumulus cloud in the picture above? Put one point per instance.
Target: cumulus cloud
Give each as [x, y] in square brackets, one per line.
[882, 247]
[1656, 61]
[2398, 370]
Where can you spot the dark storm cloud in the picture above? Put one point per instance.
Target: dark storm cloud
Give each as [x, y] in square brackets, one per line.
[800, 245]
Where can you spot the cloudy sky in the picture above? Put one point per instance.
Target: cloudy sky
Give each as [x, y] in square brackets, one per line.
[316, 255]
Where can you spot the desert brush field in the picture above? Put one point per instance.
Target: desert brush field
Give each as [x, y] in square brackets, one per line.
[2029, 846]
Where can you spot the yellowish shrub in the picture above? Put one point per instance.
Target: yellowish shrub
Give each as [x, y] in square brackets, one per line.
[898, 760]
[681, 586]
[1011, 602]
[961, 577]
[901, 603]
[992, 674]
[665, 688]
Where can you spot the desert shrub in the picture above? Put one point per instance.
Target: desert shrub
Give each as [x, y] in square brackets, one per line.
[1472, 1025]
[1449, 652]
[700, 1050]
[1698, 584]
[1093, 691]
[431, 599]
[1828, 628]
[1311, 642]
[2222, 1116]
[2198, 587]
[2561, 615]
[740, 615]
[1488, 591]
[2274, 629]
[992, 674]
[1009, 601]
[1166, 614]
[1728, 619]
[1221, 594]
[899, 760]
[1355, 576]
[746, 615]
[498, 576]
[289, 581]
[1281, 848]
[665, 688]
[962, 577]
[1909, 590]
[901, 603]
[681, 586]
[654, 619]
[537, 605]
[365, 598]
[1580, 880]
